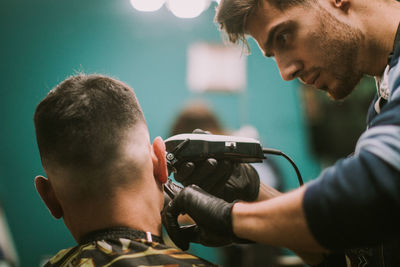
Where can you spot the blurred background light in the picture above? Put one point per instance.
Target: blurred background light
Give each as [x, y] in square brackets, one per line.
[187, 8]
[147, 5]
[216, 67]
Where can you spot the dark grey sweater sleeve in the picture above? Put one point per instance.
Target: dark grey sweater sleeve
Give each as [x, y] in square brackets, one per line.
[356, 202]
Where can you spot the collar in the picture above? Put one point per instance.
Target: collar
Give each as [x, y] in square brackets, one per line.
[119, 232]
[382, 84]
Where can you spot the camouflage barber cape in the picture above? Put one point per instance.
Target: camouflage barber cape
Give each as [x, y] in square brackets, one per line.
[124, 247]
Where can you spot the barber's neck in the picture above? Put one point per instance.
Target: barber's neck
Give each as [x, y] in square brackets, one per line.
[379, 21]
[137, 208]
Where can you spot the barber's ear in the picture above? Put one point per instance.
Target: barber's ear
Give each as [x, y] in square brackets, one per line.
[159, 160]
[46, 192]
[344, 5]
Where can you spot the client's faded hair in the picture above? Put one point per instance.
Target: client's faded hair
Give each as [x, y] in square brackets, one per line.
[232, 15]
[80, 123]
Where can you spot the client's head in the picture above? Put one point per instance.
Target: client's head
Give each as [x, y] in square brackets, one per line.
[95, 149]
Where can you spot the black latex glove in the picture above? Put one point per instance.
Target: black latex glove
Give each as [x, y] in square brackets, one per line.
[212, 216]
[243, 184]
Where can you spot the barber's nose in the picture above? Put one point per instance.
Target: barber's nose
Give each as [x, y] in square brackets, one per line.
[289, 70]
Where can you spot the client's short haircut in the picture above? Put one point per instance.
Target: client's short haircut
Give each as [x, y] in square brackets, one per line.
[79, 124]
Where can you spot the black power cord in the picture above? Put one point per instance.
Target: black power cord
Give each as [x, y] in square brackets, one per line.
[280, 153]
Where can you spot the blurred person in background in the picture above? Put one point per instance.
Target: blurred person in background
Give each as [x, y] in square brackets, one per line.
[8, 254]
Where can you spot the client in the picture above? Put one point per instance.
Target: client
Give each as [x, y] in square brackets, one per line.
[104, 177]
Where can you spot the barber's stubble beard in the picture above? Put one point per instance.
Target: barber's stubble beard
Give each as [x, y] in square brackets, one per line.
[339, 44]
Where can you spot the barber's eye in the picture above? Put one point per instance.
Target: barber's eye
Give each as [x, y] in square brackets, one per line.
[282, 39]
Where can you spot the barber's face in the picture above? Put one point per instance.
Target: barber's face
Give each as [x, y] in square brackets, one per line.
[309, 43]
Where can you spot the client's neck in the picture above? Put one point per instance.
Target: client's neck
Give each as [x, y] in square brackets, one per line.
[137, 209]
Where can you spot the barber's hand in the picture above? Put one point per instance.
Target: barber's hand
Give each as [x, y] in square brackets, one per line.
[212, 216]
[224, 179]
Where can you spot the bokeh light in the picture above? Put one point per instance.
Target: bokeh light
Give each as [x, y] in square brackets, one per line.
[187, 8]
[147, 5]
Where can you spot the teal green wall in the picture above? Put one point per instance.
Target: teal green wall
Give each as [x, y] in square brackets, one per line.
[44, 41]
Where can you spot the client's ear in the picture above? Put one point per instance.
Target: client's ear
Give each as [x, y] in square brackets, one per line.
[159, 161]
[46, 192]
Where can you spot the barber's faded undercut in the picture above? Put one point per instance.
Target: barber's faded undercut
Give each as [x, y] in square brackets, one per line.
[232, 15]
[80, 122]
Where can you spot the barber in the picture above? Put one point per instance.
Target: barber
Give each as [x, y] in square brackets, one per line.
[353, 207]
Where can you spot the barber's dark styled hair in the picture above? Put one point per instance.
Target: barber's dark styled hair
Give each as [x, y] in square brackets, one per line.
[232, 15]
[80, 122]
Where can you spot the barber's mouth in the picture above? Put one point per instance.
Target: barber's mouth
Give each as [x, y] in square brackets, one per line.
[321, 85]
[311, 79]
